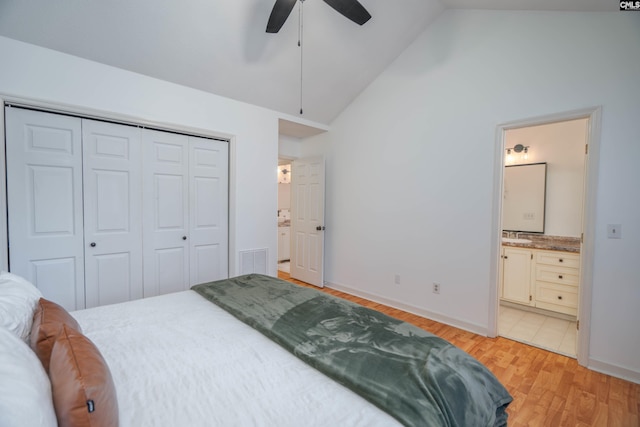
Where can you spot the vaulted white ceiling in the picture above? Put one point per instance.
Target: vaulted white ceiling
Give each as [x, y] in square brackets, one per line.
[222, 47]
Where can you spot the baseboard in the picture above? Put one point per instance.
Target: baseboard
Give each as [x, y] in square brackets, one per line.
[432, 315]
[614, 370]
[537, 310]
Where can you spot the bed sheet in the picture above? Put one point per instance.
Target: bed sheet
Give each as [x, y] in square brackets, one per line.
[177, 359]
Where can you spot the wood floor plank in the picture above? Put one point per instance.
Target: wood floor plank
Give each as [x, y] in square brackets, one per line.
[548, 389]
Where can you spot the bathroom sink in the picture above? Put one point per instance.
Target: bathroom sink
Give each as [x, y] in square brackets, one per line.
[509, 240]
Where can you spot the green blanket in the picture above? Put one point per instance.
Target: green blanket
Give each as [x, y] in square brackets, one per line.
[416, 377]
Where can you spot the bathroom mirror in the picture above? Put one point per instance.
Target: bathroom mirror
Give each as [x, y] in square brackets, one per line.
[524, 197]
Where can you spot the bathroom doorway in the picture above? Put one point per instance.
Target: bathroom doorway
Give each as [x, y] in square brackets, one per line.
[284, 215]
[543, 285]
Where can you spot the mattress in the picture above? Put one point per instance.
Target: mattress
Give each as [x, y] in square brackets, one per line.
[177, 359]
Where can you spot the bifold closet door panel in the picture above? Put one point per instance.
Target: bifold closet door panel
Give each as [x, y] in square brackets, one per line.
[208, 210]
[44, 196]
[112, 212]
[165, 203]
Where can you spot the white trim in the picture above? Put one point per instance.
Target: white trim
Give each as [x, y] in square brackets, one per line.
[588, 226]
[495, 273]
[589, 230]
[91, 113]
[4, 233]
[232, 220]
[431, 315]
[614, 370]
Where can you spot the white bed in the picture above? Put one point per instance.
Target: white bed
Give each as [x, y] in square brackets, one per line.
[191, 359]
[178, 359]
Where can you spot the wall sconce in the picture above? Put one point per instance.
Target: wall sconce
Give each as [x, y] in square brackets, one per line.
[284, 174]
[518, 148]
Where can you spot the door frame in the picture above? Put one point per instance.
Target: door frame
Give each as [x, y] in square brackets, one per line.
[593, 115]
[90, 113]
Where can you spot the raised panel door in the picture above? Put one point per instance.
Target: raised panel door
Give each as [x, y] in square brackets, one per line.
[44, 197]
[208, 210]
[307, 220]
[112, 212]
[165, 202]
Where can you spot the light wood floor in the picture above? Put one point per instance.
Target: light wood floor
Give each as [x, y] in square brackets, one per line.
[548, 389]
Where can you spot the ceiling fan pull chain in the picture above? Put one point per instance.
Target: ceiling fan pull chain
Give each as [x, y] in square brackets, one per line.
[300, 43]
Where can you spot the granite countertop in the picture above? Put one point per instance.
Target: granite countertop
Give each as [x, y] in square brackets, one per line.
[552, 243]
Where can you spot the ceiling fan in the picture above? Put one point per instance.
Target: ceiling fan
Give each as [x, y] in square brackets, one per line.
[351, 9]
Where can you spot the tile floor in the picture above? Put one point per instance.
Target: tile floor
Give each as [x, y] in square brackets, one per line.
[547, 332]
[284, 266]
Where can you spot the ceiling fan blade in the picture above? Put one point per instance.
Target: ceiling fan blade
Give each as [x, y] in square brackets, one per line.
[279, 14]
[351, 9]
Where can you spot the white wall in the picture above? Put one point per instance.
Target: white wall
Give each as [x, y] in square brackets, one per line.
[561, 146]
[284, 196]
[410, 164]
[34, 72]
[289, 147]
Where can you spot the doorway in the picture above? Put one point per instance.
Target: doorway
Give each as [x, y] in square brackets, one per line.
[301, 225]
[284, 215]
[543, 275]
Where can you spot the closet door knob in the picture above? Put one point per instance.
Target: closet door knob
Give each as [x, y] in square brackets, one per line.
[92, 244]
[184, 237]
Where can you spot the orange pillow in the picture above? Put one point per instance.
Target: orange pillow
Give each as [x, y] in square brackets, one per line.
[47, 322]
[81, 384]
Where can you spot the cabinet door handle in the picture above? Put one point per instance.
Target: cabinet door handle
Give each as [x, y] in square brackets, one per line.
[506, 257]
[559, 296]
[561, 260]
[560, 276]
[92, 244]
[184, 237]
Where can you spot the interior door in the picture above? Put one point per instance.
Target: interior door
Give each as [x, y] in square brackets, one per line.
[166, 206]
[307, 220]
[112, 212]
[208, 208]
[44, 195]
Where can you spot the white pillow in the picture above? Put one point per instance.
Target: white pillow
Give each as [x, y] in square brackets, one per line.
[18, 301]
[25, 390]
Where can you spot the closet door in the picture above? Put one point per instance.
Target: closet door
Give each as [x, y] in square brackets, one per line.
[208, 209]
[44, 195]
[112, 212]
[166, 212]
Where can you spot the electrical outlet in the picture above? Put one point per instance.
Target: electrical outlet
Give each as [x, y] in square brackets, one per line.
[614, 231]
[436, 288]
[397, 279]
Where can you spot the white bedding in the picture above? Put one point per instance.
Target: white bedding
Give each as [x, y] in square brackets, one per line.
[179, 360]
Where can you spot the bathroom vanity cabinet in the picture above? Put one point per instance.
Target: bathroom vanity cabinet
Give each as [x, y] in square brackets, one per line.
[284, 243]
[516, 275]
[541, 278]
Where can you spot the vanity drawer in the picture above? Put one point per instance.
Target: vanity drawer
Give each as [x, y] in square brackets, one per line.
[560, 259]
[556, 297]
[560, 275]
